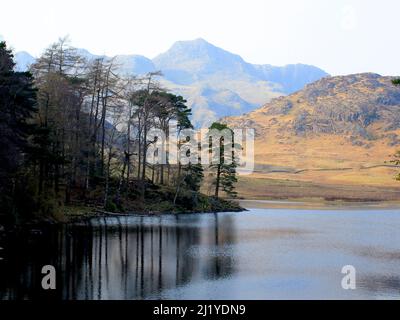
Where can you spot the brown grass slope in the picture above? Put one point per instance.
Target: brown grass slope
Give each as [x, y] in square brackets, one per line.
[334, 139]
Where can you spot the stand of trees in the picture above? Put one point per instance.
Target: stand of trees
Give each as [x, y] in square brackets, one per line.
[74, 132]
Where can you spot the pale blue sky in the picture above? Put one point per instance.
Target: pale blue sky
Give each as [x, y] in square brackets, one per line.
[340, 36]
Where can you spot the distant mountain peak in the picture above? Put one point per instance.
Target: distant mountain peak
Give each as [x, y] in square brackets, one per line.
[200, 40]
[198, 51]
[23, 60]
[237, 86]
[193, 43]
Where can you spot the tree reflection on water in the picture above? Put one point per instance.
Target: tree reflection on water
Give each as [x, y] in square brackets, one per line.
[134, 257]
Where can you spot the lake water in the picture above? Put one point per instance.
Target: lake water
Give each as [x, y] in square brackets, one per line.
[260, 254]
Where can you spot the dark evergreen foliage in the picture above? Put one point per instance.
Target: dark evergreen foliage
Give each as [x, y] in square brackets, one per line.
[74, 132]
[17, 108]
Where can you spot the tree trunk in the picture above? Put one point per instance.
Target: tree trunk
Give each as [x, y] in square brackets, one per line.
[217, 182]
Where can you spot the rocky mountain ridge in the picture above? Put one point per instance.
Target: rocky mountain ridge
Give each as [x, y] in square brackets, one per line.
[215, 82]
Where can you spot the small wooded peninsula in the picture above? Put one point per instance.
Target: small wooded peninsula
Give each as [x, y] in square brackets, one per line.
[74, 142]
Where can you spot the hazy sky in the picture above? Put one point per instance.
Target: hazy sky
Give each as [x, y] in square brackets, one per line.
[339, 36]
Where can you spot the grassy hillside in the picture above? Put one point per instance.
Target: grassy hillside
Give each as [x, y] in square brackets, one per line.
[339, 131]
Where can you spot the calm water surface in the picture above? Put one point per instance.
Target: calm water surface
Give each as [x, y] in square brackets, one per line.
[259, 254]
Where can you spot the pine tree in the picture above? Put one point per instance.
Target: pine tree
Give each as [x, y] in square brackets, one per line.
[17, 107]
[224, 170]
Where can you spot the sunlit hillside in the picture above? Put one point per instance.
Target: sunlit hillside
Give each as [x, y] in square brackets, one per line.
[337, 131]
